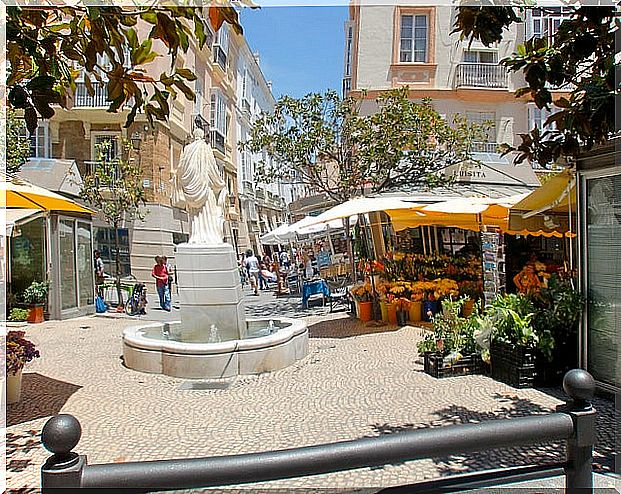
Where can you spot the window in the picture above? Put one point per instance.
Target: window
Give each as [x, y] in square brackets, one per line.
[348, 48]
[413, 39]
[218, 120]
[472, 56]
[545, 22]
[488, 119]
[113, 150]
[537, 118]
[221, 46]
[40, 140]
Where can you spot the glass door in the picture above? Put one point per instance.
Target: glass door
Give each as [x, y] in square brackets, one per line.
[68, 285]
[603, 271]
[85, 264]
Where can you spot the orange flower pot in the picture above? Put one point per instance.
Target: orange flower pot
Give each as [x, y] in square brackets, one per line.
[366, 311]
[468, 308]
[36, 314]
[392, 313]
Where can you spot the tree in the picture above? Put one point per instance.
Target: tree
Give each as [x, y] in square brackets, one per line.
[326, 143]
[581, 57]
[17, 144]
[48, 47]
[115, 188]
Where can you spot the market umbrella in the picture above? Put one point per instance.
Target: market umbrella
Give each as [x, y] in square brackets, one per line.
[278, 236]
[361, 205]
[469, 213]
[18, 193]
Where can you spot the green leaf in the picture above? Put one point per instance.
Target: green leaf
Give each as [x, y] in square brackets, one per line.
[187, 74]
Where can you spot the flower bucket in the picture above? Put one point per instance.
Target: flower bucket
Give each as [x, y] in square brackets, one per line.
[416, 311]
[468, 308]
[35, 315]
[392, 313]
[402, 316]
[366, 311]
[384, 308]
[14, 387]
[430, 306]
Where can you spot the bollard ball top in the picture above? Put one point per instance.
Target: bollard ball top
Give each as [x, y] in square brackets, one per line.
[61, 434]
[579, 385]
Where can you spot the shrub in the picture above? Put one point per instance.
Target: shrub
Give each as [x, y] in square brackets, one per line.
[18, 314]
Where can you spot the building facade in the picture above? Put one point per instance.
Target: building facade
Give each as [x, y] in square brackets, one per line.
[407, 44]
[230, 92]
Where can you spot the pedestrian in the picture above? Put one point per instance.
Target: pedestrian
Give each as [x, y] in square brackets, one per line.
[241, 266]
[262, 279]
[160, 274]
[252, 265]
[171, 274]
[284, 259]
[99, 274]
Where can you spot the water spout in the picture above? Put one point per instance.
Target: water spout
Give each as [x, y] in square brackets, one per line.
[271, 327]
[214, 335]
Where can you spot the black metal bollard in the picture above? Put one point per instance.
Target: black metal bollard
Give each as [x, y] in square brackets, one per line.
[580, 387]
[62, 470]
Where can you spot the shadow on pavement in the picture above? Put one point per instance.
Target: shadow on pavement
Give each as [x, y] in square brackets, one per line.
[41, 397]
[345, 327]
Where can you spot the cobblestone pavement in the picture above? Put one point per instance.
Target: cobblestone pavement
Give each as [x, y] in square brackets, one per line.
[357, 381]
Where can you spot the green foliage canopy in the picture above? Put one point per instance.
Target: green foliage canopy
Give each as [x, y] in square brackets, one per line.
[328, 144]
[17, 144]
[49, 47]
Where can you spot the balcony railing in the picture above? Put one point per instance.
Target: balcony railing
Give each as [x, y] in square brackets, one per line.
[481, 75]
[83, 99]
[485, 147]
[217, 141]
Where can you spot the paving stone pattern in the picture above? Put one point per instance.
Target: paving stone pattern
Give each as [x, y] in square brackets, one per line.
[357, 381]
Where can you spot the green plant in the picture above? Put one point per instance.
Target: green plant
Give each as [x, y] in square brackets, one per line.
[18, 314]
[452, 334]
[36, 293]
[511, 317]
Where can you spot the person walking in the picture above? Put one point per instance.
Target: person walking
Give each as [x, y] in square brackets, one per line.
[171, 275]
[253, 267]
[160, 274]
[99, 274]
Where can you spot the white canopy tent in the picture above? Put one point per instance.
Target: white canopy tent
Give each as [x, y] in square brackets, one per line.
[362, 205]
[306, 226]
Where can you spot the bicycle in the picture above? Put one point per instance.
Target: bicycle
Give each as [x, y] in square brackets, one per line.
[137, 302]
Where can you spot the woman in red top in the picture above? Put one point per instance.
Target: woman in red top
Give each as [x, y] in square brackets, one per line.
[160, 273]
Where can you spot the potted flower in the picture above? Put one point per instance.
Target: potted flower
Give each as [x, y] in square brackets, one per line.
[416, 303]
[363, 294]
[451, 349]
[36, 296]
[402, 305]
[470, 290]
[19, 351]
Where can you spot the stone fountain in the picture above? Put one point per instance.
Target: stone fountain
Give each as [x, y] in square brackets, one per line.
[213, 338]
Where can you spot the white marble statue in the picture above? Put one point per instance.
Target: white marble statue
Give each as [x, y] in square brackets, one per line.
[199, 188]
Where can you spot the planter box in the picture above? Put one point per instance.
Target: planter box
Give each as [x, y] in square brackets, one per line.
[513, 365]
[469, 364]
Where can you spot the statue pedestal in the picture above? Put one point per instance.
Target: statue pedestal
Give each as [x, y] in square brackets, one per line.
[210, 292]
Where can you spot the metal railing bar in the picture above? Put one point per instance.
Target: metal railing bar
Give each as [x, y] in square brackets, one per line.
[479, 480]
[327, 458]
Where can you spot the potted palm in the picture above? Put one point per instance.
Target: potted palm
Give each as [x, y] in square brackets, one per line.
[19, 351]
[36, 296]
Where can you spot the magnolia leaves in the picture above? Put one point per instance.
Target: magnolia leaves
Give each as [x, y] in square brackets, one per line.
[579, 60]
[49, 48]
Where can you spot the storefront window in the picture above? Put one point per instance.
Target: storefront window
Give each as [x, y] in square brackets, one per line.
[603, 250]
[27, 249]
[68, 285]
[85, 264]
[105, 243]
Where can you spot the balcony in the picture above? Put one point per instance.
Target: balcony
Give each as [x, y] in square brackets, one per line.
[489, 75]
[219, 56]
[217, 141]
[485, 147]
[98, 100]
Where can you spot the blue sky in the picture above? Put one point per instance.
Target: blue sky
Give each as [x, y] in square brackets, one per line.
[301, 48]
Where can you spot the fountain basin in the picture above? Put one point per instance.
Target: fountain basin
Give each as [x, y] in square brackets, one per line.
[147, 349]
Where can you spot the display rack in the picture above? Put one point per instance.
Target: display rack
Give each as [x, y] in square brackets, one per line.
[493, 253]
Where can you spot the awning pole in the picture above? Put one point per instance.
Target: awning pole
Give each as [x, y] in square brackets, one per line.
[569, 239]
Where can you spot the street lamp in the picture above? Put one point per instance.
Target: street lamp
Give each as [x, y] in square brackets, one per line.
[136, 141]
